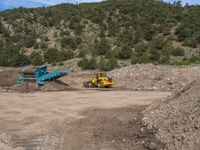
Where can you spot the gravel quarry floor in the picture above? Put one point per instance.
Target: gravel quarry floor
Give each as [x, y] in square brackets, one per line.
[63, 116]
[73, 120]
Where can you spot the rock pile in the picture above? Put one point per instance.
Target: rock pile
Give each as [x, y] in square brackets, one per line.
[150, 77]
[176, 121]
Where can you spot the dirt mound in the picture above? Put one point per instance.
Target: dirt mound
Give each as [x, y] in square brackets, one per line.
[9, 76]
[152, 77]
[54, 86]
[176, 121]
[23, 88]
[33, 87]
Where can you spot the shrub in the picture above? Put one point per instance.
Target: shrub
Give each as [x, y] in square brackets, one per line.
[154, 55]
[20, 60]
[103, 64]
[102, 34]
[66, 54]
[52, 55]
[79, 40]
[43, 46]
[180, 63]
[145, 58]
[89, 64]
[68, 42]
[125, 52]
[61, 63]
[10, 55]
[81, 54]
[37, 60]
[65, 33]
[195, 59]
[46, 39]
[148, 34]
[101, 47]
[56, 34]
[178, 52]
[110, 54]
[191, 42]
[29, 43]
[141, 48]
[113, 63]
[78, 28]
[35, 45]
[136, 60]
[107, 64]
[16, 37]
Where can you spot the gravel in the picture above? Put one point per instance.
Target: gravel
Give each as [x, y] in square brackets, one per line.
[176, 121]
[154, 77]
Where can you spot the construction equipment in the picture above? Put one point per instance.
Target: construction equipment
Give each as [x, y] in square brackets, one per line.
[40, 75]
[99, 80]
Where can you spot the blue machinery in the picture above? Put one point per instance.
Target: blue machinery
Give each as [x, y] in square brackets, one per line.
[40, 75]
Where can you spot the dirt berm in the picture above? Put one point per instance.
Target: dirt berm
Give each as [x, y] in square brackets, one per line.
[176, 121]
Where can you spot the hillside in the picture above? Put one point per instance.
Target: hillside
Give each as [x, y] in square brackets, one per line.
[143, 31]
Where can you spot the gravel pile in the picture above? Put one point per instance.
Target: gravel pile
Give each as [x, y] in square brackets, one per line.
[56, 85]
[176, 121]
[150, 77]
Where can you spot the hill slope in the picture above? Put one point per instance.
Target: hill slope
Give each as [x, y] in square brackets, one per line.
[142, 30]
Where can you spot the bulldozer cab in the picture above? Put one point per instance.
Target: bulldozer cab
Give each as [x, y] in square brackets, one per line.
[100, 74]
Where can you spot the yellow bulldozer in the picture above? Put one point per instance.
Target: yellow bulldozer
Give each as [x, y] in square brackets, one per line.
[99, 80]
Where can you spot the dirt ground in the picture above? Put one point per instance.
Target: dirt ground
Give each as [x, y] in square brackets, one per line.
[73, 120]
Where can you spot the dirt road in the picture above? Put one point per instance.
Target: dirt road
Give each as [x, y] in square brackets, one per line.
[72, 120]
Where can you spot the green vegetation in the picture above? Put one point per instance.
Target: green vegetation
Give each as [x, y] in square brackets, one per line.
[54, 56]
[143, 31]
[89, 64]
[107, 64]
[103, 64]
[124, 52]
[101, 47]
[156, 51]
[178, 52]
[195, 59]
[11, 55]
[36, 59]
[180, 63]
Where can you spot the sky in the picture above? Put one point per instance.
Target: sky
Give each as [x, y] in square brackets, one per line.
[191, 2]
[9, 4]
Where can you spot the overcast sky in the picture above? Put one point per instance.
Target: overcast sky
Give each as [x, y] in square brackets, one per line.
[8, 4]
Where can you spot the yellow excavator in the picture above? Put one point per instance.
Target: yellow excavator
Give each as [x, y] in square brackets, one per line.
[99, 80]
